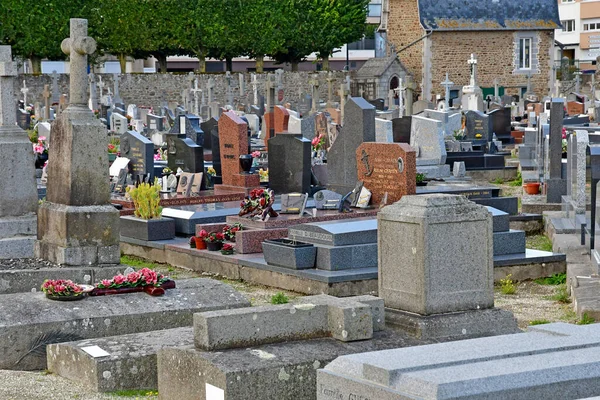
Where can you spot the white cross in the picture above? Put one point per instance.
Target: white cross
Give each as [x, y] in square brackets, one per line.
[557, 87]
[25, 90]
[473, 63]
[447, 84]
[100, 85]
[255, 88]
[400, 93]
[196, 90]
[314, 82]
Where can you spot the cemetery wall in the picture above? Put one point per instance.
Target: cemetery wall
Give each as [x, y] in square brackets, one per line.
[495, 51]
[404, 28]
[153, 89]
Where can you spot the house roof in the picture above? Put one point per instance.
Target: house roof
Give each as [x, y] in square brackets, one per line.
[456, 15]
[375, 67]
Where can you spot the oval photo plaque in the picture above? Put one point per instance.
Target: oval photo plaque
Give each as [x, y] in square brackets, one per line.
[400, 164]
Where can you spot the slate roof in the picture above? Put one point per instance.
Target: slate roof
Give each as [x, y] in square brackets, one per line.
[453, 15]
[375, 67]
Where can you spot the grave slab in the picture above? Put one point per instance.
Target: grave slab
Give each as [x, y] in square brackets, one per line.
[337, 233]
[54, 321]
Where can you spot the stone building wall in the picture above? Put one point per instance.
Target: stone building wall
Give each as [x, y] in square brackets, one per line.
[154, 89]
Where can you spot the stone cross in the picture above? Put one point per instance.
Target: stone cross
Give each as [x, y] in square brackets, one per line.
[400, 93]
[46, 94]
[77, 47]
[100, 86]
[344, 92]
[473, 64]
[24, 90]
[496, 89]
[270, 88]
[577, 81]
[330, 80]
[242, 82]
[195, 91]
[8, 70]
[314, 83]
[391, 102]
[55, 92]
[229, 91]
[529, 83]
[557, 87]
[447, 84]
[255, 88]
[411, 86]
[116, 97]
[93, 102]
[211, 87]
[593, 86]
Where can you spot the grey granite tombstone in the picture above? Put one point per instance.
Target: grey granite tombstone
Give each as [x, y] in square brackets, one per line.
[417, 279]
[184, 153]
[401, 129]
[500, 123]
[77, 225]
[451, 120]
[384, 131]
[189, 126]
[155, 122]
[327, 199]
[18, 196]
[359, 127]
[140, 152]
[207, 127]
[427, 138]
[556, 185]
[23, 119]
[289, 163]
[478, 126]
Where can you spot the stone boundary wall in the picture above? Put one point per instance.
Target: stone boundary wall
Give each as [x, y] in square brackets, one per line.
[154, 89]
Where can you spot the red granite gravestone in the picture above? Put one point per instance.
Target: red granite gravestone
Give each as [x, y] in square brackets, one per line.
[233, 142]
[575, 108]
[387, 167]
[282, 118]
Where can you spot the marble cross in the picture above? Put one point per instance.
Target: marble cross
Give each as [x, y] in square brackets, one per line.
[116, 97]
[77, 47]
[24, 90]
[100, 86]
[55, 92]
[46, 94]
[93, 102]
[447, 84]
[330, 80]
[577, 81]
[196, 91]
[314, 83]
[473, 64]
[211, 87]
[255, 88]
[557, 87]
[8, 70]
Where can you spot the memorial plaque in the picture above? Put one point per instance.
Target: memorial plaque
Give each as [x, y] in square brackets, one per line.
[185, 184]
[140, 152]
[387, 168]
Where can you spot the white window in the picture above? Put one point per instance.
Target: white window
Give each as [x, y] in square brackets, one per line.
[591, 26]
[568, 25]
[525, 53]
[568, 1]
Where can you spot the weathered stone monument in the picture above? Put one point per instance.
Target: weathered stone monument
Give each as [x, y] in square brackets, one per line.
[556, 185]
[77, 225]
[18, 196]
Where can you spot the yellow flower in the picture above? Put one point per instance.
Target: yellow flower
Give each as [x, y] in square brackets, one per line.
[478, 136]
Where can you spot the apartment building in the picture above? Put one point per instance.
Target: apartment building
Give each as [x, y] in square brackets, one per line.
[579, 38]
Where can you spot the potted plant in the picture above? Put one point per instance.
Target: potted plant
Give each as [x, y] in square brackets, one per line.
[227, 249]
[40, 148]
[289, 253]
[532, 187]
[421, 180]
[113, 149]
[64, 290]
[147, 223]
[214, 241]
[200, 244]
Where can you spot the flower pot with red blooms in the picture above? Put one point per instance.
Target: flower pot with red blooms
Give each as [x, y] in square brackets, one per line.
[532, 188]
[227, 249]
[230, 230]
[214, 241]
[200, 243]
[64, 290]
[246, 162]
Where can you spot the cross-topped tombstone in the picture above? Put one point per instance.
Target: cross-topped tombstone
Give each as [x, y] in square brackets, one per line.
[100, 85]
[229, 90]
[473, 65]
[255, 88]
[55, 91]
[400, 95]
[25, 90]
[196, 91]
[93, 102]
[46, 94]
[447, 84]
[497, 91]
[330, 80]
[314, 83]
[18, 197]
[78, 196]
[242, 84]
[116, 97]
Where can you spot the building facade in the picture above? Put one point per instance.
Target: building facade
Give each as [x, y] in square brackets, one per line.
[579, 37]
[511, 40]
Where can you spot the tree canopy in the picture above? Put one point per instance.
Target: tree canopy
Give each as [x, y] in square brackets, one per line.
[286, 30]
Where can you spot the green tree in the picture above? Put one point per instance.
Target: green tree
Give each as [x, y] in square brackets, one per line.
[295, 28]
[262, 29]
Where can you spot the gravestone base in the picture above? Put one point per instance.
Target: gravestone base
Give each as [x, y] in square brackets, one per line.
[434, 171]
[78, 235]
[453, 326]
[555, 189]
[17, 236]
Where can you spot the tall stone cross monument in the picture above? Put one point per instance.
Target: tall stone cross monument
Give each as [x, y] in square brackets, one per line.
[447, 84]
[18, 193]
[77, 225]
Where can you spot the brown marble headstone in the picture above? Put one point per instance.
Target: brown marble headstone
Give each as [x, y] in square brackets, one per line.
[282, 118]
[336, 115]
[575, 108]
[387, 167]
[233, 142]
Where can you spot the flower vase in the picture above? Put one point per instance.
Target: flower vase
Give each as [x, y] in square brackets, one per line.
[200, 244]
[246, 162]
[214, 246]
[40, 160]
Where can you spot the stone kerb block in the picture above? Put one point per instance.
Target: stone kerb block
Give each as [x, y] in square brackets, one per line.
[445, 262]
[317, 316]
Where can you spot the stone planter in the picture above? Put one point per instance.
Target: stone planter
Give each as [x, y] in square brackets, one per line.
[148, 230]
[287, 254]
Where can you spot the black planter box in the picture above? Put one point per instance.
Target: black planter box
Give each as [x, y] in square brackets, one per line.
[148, 230]
[284, 253]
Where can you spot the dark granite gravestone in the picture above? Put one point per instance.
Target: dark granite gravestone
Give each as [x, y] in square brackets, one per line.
[506, 100]
[378, 103]
[401, 129]
[478, 126]
[155, 122]
[207, 127]
[104, 111]
[140, 151]
[23, 119]
[184, 153]
[359, 127]
[216, 149]
[289, 163]
[189, 125]
[119, 110]
[305, 104]
[500, 123]
[167, 112]
[578, 120]
[556, 185]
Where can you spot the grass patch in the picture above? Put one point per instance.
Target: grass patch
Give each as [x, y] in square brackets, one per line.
[498, 181]
[518, 181]
[586, 320]
[556, 279]
[135, 393]
[137, 262]
[507, 286]
[539, 242]
[538, 322]
[279, 298]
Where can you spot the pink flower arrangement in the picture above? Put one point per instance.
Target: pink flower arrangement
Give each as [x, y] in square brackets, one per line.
[318, 142]
[41, 146]
[61, 287]
[143, 277]
[227, 249]
[564, 133]
[202, 234]
[256, 154]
